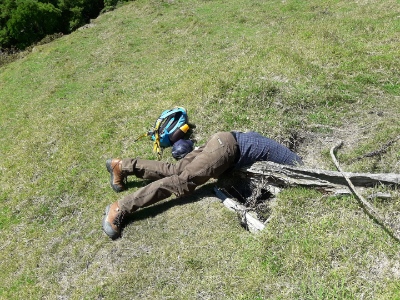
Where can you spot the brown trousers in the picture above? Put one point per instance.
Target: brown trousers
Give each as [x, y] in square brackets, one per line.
[209, 161]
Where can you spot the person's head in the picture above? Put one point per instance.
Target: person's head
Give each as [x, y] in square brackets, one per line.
[181, 148]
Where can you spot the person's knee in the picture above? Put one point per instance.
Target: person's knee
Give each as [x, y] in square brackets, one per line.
[184, 186]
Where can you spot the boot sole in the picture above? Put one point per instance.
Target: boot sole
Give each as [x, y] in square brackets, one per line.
[107, 226]
[115, 187]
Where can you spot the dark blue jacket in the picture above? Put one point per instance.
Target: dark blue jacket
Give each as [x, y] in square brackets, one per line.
[255, 147]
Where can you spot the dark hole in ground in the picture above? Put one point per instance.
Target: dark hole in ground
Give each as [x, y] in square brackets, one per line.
[247, 196]
[294, 140]
[254, 192]
[253, 195]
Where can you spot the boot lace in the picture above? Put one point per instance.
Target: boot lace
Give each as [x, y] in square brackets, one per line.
[119, 218]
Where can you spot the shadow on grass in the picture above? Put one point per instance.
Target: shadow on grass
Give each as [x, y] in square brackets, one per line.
[158, 208]
[135, 184]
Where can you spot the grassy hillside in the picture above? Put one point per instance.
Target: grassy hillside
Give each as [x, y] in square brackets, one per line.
[306, 73]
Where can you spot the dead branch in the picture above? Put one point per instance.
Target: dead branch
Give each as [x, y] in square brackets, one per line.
[371, 211]
[279, 176]
[251, 223]
[283, 175]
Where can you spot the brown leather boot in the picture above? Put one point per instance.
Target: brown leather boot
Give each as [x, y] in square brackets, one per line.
[114, 166]
[113, 219]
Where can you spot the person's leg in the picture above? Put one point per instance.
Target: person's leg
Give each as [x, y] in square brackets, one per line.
[120, 169]
[218, 155]
[154, 170]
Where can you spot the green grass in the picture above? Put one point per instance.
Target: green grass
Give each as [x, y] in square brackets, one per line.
[318, 70]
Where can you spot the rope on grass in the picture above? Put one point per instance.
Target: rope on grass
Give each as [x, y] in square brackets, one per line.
[371, 211]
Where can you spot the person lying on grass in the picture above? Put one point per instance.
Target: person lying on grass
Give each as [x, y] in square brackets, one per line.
[222, 151]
